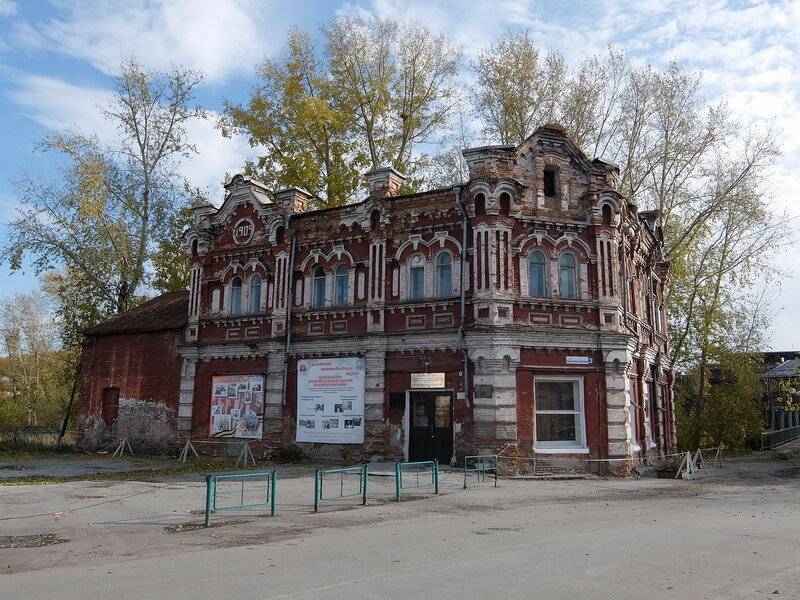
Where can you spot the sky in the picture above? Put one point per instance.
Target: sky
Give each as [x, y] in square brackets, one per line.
[56, 59]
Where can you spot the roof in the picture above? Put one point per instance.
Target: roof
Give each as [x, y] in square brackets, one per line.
[167, 311]
[789, 368]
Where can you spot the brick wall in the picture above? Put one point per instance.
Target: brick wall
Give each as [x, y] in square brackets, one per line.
[145, 367]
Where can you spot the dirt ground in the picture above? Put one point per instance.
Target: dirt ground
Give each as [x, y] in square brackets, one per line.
[734, 533]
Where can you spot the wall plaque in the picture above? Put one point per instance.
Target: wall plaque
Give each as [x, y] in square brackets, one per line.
[579, 360]
[484, 391]
[427, 380]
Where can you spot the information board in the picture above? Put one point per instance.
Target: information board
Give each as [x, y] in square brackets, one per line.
[330, 400]
[237, 406]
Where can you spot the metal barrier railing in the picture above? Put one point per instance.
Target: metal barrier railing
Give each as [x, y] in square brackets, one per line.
[416, 469]
[771, 439]
[480, 465]
[345, 484]
[231, 491]
[692, 463]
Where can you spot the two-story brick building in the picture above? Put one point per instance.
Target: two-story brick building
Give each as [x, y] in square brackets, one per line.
[520, 311]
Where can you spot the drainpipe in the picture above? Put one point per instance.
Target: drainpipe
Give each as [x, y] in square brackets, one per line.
[462, 323]
[289, 286]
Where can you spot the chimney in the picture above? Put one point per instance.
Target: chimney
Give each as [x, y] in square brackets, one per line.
[293, 200]
[384, 182]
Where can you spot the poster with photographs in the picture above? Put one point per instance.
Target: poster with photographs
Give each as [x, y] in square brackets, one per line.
[330, 400]
[237, 406]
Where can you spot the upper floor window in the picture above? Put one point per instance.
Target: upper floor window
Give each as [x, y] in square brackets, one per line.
[550, 180]
[342, 284]
[236, 296]
[444, 275]
[318, 288]
[567, 277]
[480, 205]
[537, 274]
[505, 204]
[606, 214]
[255, 294]
[416, 279]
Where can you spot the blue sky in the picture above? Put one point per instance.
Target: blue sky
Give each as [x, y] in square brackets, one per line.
[55, 60]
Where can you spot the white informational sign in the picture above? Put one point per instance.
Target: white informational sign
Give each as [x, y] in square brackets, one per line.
[330, 400]
[427, 380]
[579, 360]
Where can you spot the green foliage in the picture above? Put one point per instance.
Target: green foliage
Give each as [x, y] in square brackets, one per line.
[92, 232]
[374, 91]
[517, 88]
[729, 413]
[35, 375]
[170, 260]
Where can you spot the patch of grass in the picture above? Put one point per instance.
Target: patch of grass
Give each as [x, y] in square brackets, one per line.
[196, 467]
[30, 541]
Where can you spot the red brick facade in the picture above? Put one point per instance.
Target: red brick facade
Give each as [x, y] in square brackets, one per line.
[533, 278]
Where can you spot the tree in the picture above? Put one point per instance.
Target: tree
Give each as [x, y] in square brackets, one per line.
[35, 375]
[730, 415]
[306, 137]
[170, 260]
[516, 87]
[95, 228]
[367, 98]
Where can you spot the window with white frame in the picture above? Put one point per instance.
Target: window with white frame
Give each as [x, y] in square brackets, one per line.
[342, 285]
[416, 278]
[560, 420]
[633, 415]
[567, 276]
[444, 275]
[537, 274]
[255, 294]
[318, 288]
[236, 297]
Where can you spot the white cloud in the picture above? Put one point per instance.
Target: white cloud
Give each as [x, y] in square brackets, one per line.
[7, 8]
[217, 38]
[59, 105]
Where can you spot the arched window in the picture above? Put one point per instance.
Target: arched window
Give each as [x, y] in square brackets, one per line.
[480, 205]
[318, 288]
[194, 247]
[537, 274]
[567, 277]
[505, 204]
[375, 219]
[255, 294]
[606, 215]
[280, 235]
[416, 279]
[444, 275]
[236, 296]
[342, 284]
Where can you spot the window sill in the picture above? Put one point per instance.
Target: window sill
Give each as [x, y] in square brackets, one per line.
[561, 450]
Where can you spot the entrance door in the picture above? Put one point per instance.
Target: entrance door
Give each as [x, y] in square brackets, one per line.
[110, 407]
[431, 426]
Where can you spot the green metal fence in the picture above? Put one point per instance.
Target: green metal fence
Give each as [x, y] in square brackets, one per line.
[412, 475]
[478, 466]
[238, 491]
[334, 484]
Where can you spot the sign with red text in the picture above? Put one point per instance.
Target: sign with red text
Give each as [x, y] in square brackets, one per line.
[330, 400]
[237, 406]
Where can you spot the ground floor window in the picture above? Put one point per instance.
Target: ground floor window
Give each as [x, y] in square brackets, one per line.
[560, 419]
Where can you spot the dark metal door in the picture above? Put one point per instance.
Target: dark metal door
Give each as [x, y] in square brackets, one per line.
[431, 426]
